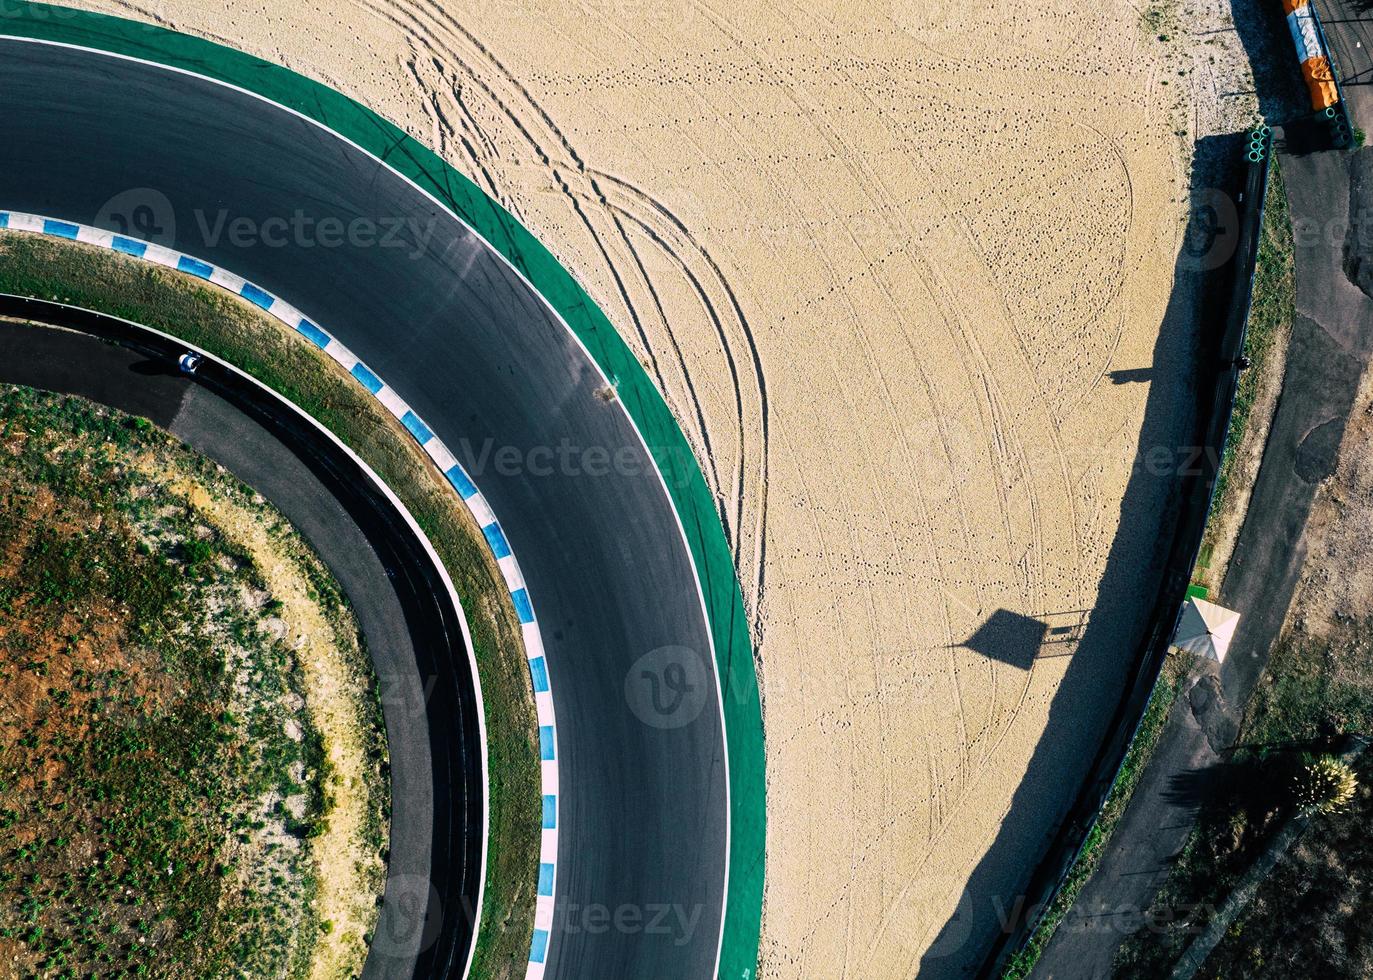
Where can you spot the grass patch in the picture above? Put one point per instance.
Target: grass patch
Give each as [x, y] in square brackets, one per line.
[1315, 689]
[1270, 317]
[1158, 19]
[236, 331]
[161, 772]
[1132, 768]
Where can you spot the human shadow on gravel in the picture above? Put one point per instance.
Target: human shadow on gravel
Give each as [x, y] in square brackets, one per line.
[1094, 694]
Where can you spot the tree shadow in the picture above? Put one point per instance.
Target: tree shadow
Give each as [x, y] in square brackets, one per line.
[1198, 788]
[1115, 653]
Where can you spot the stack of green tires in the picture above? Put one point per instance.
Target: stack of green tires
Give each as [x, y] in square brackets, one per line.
[1339, 124]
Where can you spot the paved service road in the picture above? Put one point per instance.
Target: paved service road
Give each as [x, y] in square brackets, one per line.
[225, 177]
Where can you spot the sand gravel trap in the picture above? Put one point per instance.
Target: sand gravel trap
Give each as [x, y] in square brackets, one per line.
[881, 257]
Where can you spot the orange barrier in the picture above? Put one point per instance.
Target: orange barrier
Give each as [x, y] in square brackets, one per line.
[1315, 63]
[1320, 81]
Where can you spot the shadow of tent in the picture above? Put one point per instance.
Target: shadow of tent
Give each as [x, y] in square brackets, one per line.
[1009, 638]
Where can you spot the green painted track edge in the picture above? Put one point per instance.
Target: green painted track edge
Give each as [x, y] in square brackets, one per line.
[690, 495]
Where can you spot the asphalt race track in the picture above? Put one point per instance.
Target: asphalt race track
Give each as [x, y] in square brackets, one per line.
[229, 179]
[413, 637]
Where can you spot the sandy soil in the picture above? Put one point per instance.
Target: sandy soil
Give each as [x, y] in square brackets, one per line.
[882, 258]
[1336, 586]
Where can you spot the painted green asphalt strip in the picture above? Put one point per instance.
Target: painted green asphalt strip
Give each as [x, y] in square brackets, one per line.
[690, 496]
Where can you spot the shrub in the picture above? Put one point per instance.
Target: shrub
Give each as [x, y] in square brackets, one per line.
[1323, 785]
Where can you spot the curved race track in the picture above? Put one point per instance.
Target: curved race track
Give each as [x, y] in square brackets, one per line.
[464, 341]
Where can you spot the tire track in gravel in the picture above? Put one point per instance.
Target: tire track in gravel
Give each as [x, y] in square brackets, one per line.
[677, 254]
[449, 139]
[1016, 457]
[1112, 295]
[866, 180]
[822, 129]
[942, 811]
[970, 241]
[592, 194]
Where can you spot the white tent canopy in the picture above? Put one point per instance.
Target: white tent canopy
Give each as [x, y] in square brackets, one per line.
[1205, 629]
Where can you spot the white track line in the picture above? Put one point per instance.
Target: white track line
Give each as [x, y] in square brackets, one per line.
[533, 973]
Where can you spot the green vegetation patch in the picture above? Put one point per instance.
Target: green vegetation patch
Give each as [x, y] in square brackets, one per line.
[160, 782]
[1315, 688]
[1314, 693]
[232, 329]
[1309, 917]
[1270, 317]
